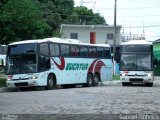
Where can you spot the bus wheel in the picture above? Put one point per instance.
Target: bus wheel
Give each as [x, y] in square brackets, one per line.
[69, 86]
[125, 83]
[23, 88]
[149, 84]
[51, 83]
[96, 80]
[89, 80]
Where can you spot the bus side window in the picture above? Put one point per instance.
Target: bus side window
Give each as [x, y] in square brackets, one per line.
[74, 50]
[83, 51]
[54, 49]
[92, 52]
[100, 52]
[107, 53]
[64, 50]
[44, 49]
[44, 63]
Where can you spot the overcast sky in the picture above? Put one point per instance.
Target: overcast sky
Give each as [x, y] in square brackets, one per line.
[131, 14]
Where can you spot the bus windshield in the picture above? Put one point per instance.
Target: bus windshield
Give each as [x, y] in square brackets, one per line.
[22, 48]
[21, 64]
[136, 62]
[3, 50]
[136, 48]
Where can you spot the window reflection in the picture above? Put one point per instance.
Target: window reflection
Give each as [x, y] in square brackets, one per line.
[136, 62]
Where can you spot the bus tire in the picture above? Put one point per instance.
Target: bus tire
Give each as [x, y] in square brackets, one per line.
[51, 82]
[124, 83]
[90, 80]
[96, 80]
[69, 86]
[149, 84]
[23, 88]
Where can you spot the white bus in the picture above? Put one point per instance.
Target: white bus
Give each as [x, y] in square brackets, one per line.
[136, 63]
[3, 50]
[54, 61]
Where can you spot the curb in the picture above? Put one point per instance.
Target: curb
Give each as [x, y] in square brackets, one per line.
[5, 89]
[112, 82]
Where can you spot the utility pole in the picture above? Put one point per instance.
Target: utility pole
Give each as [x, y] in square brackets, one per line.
[114, 42]
[81, 3]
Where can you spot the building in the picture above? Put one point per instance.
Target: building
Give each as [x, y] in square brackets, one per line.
[103, 33]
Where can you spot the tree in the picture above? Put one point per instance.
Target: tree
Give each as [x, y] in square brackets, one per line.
[49, 14]
[32, 19]
[56, 12]
[86, 16]
[64, 8]
[21, 20]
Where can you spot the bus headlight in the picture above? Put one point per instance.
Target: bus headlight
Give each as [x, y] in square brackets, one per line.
[9, 77]
[123, 74]
[34, 77]
[149, 75]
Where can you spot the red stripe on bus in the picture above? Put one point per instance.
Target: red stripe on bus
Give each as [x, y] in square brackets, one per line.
[60, 66]
[98, 66]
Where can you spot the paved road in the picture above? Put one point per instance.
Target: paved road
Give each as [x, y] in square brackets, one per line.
[109, 99]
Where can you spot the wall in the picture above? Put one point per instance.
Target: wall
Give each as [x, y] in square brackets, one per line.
[84, 32]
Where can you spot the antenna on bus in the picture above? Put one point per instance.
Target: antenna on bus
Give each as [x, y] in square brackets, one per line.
[130, 32]
[123, 36]
[82, 2]
[143, 32]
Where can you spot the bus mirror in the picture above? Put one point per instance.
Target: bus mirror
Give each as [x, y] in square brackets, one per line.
[2, 62]
[112, 57]
[155, 61]
[121, 63]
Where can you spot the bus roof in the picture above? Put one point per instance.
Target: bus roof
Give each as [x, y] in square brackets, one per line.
[58, 40]
[136, 42]
[3, 46]
[157, 41]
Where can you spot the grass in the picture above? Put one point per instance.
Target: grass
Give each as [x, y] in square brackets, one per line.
[116, 77]
[2, 80]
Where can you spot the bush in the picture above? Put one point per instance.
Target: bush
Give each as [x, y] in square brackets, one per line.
[2, 82]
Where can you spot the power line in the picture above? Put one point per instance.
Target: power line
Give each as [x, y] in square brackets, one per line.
[110, 16]
[149, 7]
[146, 26]
[136, 16]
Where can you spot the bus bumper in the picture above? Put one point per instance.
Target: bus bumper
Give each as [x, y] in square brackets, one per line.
[137, 80]
[20, 83]
[137, 77]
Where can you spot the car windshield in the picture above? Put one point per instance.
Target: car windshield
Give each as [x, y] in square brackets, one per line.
[21, 64]
[136, 62]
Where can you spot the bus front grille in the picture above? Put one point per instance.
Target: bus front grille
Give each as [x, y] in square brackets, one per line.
[21, 84]
[20, 79]
[136, 80]
[136, 75]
